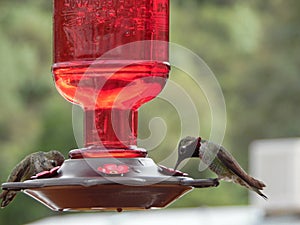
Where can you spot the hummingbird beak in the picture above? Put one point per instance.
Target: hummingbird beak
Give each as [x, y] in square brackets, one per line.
[177, 164]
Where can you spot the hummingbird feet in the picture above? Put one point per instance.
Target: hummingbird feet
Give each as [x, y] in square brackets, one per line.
[215, 181]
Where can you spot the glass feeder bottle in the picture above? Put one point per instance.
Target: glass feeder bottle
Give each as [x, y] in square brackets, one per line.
[110, 57]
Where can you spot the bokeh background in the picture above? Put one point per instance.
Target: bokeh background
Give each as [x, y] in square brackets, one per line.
[251, 46]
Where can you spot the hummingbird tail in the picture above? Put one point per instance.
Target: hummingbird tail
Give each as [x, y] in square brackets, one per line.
[7, 197]
[257, 183]
[260, 193]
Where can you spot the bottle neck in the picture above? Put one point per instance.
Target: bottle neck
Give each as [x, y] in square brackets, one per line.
[110, 133]
[110, 128]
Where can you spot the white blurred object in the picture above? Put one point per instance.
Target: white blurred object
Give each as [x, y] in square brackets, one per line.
[277, 163]
[191, 216]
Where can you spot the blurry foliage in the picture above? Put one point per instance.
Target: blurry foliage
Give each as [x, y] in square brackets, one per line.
[251, 46]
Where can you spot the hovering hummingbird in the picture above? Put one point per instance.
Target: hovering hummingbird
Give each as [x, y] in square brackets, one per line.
[29, 166]
[219, 161]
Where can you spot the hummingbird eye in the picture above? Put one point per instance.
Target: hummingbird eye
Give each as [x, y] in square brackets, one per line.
[182, 150]
[53, 163]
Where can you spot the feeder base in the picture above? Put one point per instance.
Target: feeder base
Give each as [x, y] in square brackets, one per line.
[107, 196]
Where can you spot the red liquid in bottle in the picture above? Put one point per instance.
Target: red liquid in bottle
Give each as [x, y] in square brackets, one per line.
[110, 83]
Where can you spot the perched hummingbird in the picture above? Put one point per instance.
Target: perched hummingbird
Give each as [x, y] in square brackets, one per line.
[219, 161]
[29, 166]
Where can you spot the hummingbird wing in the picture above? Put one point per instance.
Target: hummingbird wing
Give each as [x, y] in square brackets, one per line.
[21, 171]
[227, 159]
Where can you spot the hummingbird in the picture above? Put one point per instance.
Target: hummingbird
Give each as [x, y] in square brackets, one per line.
[32, 164]
[219, 161]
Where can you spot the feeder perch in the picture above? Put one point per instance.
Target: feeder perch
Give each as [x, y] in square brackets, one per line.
[110, 57]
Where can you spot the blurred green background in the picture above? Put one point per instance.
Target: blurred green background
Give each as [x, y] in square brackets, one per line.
[251, 46]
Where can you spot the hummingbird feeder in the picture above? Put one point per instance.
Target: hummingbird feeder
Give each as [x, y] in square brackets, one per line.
[110, 57]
